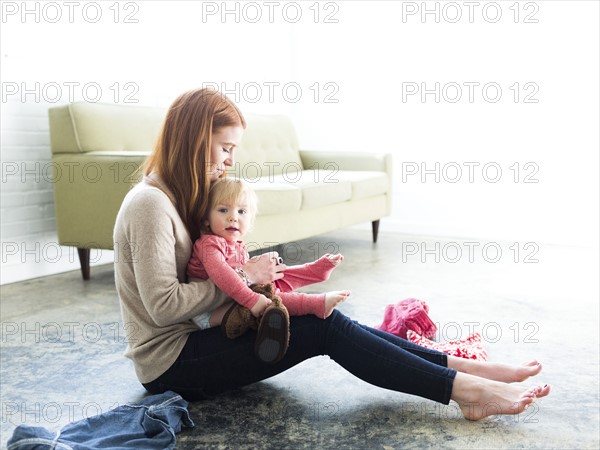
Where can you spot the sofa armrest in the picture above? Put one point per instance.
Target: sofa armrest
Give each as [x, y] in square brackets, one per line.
[381, 162]
[88, 191]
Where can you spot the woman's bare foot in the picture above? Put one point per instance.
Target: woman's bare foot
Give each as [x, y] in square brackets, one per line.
[479, 398]
[334, 298]
[495, 371]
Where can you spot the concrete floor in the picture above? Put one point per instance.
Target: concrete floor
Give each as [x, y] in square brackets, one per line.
[62, 345]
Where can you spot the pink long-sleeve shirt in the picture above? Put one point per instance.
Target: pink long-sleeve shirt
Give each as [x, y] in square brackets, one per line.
[215, 258]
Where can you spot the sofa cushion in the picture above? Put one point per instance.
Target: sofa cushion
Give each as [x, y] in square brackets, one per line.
[269, 147]
[276, 198]
[365, 184]
[317, 190]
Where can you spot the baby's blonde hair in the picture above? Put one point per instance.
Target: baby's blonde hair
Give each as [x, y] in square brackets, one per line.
[231, 190]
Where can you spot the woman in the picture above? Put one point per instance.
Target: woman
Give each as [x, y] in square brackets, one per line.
[155, 229]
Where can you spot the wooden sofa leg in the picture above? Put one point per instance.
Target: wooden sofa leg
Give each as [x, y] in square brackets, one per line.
[84, 261]
[375, 227]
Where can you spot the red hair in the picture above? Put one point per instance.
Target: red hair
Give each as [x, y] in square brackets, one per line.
[182, 154]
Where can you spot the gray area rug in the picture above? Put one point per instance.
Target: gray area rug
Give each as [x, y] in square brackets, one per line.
[62, 346]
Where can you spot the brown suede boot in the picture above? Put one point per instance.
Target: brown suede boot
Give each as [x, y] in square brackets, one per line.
[273, 336]
[237, 320]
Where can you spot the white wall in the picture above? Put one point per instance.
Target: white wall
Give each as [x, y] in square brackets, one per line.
[166, 52]
[364, 55]
[378, 53]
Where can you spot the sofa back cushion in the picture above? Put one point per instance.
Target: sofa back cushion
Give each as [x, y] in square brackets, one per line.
[269, 147]
[88, 127]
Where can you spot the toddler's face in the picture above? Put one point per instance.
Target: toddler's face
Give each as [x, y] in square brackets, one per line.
[230, 221]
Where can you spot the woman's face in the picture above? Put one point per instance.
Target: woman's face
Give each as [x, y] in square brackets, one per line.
[224, 142]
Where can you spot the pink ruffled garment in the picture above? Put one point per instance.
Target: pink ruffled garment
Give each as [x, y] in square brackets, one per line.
[408, 314]
[409, 319]
[469, 348]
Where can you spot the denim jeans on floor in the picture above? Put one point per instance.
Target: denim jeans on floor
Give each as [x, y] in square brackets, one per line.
[148, 424]
[210, 363]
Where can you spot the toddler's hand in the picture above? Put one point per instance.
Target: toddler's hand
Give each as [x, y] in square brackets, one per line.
[334, 298]
[259, 308]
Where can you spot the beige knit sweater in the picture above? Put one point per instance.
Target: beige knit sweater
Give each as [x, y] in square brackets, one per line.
[152, 249]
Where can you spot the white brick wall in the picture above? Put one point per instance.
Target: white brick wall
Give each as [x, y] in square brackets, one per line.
[26, 198]
[27, 221]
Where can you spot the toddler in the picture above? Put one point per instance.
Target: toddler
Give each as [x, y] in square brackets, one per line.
[219, 254]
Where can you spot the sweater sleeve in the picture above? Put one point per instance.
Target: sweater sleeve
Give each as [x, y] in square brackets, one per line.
[147, 237]
[212, 251]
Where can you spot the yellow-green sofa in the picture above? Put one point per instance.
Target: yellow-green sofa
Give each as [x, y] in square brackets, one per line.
[97, 148]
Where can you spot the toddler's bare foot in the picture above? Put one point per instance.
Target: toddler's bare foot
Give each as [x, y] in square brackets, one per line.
[335, 259]
[496, 371]
[334, 298]
[479, 398]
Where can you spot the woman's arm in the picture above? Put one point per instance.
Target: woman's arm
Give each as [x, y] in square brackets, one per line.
[153, 248]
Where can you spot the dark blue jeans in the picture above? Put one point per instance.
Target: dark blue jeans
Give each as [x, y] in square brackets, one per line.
[210, 363]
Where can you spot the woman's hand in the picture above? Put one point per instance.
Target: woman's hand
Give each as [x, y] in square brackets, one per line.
[259, 308]
[265, 268]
